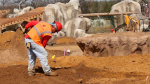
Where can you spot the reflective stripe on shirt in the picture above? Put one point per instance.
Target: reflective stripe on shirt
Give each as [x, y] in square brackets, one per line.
[39, 34]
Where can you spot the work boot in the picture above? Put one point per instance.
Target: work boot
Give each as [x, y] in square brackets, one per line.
[51, 74]
[31, 73]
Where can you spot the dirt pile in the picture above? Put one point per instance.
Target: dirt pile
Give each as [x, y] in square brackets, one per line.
[12, 47]
[119, 44]
[64, 40]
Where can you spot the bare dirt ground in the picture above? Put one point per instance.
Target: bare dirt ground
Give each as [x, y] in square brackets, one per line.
[72, 69]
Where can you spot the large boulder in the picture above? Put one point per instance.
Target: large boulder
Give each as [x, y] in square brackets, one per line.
[126, 6]
[119, 44]
[77, 27]
[62, 12]
[12, 47]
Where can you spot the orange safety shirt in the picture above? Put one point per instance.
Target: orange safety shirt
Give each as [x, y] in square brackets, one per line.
[39, 31]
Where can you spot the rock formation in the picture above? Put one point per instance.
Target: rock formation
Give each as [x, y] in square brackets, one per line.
[62, 12]
[77, 27]
[119, 44]
[67, 14]
[126, 6]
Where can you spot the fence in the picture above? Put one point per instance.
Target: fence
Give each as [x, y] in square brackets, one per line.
[103, 22]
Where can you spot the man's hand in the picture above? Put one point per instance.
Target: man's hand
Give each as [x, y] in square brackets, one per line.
[28, 45]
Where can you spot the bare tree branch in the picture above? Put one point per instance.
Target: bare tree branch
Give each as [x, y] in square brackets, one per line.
[3, 2]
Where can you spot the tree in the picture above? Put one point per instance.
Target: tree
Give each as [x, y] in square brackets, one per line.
[3, 2]
[38, 3]
[84, 6]
[19, 3]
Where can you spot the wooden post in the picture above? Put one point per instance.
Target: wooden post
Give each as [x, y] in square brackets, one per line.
[42, 17]
[38, 18]
[104, 14]
[23, 29]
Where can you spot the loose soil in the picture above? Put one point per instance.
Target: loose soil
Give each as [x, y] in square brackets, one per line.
[72, 69]
[12, 47]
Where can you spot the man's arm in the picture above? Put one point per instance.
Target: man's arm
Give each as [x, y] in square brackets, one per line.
[45, 40]
[31, 24]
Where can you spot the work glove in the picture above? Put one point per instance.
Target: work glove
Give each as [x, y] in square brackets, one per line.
[28, 45]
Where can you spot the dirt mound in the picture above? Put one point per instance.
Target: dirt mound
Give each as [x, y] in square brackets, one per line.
[12, 47]
[119, 44]
[64, 40]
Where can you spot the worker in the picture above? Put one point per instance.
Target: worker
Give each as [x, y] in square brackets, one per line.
[127, 22]
[36, 39]
[131, 23]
